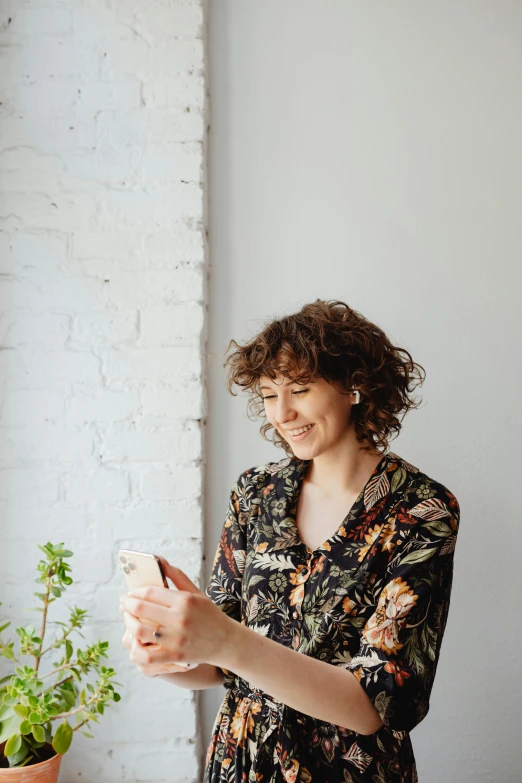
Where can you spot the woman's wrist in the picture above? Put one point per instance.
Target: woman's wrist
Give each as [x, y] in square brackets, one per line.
[204, 676]
[182, 670]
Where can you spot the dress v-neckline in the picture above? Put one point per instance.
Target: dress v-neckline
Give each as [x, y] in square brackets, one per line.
[301, 470]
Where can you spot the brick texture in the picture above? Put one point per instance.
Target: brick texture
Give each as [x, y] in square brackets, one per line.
[102, 333]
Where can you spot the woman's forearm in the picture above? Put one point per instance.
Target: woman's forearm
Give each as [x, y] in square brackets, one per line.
[314, 687]
[206, 675]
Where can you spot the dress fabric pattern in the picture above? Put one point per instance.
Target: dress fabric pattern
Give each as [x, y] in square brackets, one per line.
[373, 599]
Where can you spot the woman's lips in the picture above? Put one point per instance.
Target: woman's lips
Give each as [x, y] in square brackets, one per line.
[302, 434]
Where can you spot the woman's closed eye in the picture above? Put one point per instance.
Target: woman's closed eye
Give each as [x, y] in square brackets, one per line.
[271, 396]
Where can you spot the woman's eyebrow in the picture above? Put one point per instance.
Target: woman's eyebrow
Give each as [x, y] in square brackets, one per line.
[288, 383]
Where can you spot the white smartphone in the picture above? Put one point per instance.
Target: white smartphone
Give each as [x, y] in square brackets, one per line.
[141, 569]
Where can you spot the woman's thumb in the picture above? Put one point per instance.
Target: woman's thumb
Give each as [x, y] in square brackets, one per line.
[178, 577]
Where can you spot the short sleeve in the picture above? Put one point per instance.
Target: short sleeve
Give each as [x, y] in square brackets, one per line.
[225, 583]
[401, 641]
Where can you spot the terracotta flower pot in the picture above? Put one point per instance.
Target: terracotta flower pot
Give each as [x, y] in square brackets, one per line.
[43, 772]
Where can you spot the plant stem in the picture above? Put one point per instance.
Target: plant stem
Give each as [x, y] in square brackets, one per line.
[73, 712]
[57, 643]
[63, 667]
[55, 685]
[44, 618]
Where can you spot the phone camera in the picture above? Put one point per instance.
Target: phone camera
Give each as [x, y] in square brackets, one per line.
[126, 570]
[123, 559]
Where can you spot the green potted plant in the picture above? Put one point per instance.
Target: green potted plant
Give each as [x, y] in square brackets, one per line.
[37, 710]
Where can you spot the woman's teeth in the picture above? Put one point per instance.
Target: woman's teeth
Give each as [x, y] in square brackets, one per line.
[299, 432]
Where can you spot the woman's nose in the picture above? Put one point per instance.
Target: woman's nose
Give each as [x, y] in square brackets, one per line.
[284, 411]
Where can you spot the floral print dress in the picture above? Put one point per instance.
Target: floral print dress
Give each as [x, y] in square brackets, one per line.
[373, 599]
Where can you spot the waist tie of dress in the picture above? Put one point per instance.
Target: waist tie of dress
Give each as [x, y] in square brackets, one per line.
[285, 745]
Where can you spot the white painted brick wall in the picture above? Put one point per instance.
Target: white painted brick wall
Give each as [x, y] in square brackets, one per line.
[102, 319]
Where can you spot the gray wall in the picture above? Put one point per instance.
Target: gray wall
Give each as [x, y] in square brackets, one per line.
[371, 152]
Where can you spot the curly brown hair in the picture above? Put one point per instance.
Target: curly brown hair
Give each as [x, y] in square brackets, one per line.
[330, 340]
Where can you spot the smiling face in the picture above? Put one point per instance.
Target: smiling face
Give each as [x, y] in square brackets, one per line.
[318, 408]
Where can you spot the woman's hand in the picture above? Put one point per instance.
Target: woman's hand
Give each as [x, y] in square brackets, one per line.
[132, 644]
[192, 628]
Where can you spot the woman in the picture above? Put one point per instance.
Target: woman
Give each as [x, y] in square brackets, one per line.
[333, 573]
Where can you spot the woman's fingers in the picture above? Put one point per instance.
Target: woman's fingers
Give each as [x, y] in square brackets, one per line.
[127, 639]
[155, 613]
[138, 655]
[133, 626]
[136, 639]
[137, 630]
[137, 652]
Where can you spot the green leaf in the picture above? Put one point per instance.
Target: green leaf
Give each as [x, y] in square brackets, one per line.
[9, 725]
[25, 762]
[39, 733]
[5, 679]
[438, 527]
[19, 756]
[68, 650]
[34, 717]
[419, 555]
[399, 477]
[56, 591]
[117, 697]
[6, 710]
[69, 697]
[86, 734]
[62, 738]
[33, 701]
[13, 745]
[21, 709]
[3, 627]
[25, 727]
